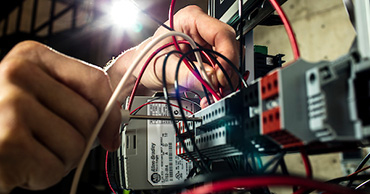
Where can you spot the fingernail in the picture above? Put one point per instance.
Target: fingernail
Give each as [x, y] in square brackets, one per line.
[213, 78]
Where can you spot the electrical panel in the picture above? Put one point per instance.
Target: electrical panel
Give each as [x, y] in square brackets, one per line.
[318, 107]
[313, 105]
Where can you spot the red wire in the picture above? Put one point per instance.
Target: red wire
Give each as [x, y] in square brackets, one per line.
[361, 170]
[208, 87]
[170, 16]
[174, 105]
[134, 89]
[106, 172]
[195, 93]
[288, 28]
[263, 181]
[307, 164]
[150, 58]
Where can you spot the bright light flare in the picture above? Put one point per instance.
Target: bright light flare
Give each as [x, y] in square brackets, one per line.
[123, 13]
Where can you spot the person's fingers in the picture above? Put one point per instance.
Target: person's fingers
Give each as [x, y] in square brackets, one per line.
[58, 135]
[41, 176]
[204, 103]
[84, 79]
[59, 99]
[24, 161]
[207, 30]
[30, 173]
[186, 77]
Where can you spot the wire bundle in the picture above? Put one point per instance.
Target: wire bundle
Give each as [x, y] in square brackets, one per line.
[202, 163]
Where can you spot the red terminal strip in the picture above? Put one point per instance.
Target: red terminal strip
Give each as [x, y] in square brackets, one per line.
[179, 149]
[285, 139]
[181, 152]
[271, 121]
[271, 126]
[269, 85]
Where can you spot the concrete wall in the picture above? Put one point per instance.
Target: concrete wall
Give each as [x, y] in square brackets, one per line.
[322, 29]
[323, 32]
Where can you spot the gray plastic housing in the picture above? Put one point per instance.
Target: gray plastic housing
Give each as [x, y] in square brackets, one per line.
[135, 153]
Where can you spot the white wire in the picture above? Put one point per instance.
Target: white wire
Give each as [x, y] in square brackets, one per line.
[362, 184]
[113, 99]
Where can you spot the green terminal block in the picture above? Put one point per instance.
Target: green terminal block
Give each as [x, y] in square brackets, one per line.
[260, 49]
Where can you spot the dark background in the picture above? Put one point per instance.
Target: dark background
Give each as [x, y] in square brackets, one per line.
[76, 28]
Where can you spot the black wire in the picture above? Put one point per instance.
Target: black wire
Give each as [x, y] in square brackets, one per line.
[195, 69]
[247, 166]
[158, 98]
[203, 87]
[166, 96]
[359, 167]
[230, 163]
[171, 29]
[348, 4]
[227, 60]
[254, 166]
[177, 92]
[363, 184]
[349, 178]
[274, 168]
[241, 37]
[222, 69]
[218, 63]
[342, 179]
[271, 161]
[283, 167]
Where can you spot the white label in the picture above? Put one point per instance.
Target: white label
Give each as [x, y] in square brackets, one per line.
[164, 166]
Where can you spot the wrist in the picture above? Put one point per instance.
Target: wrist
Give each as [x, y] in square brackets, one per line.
[116, 68]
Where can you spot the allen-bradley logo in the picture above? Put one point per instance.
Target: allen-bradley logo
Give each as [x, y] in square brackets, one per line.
[156, 177]
[154, 159]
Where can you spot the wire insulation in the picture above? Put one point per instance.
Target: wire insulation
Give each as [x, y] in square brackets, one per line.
[359, 167]
[203, 70]
[177, 131]
[263, 181]
[106, 172]
[307, 164]
[112, 101]
[288, 28]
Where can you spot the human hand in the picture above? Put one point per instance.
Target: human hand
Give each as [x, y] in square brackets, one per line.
[206, 31]
[49, 105]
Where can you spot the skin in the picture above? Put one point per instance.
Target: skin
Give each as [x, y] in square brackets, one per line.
[203, 29]
[50, 103]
